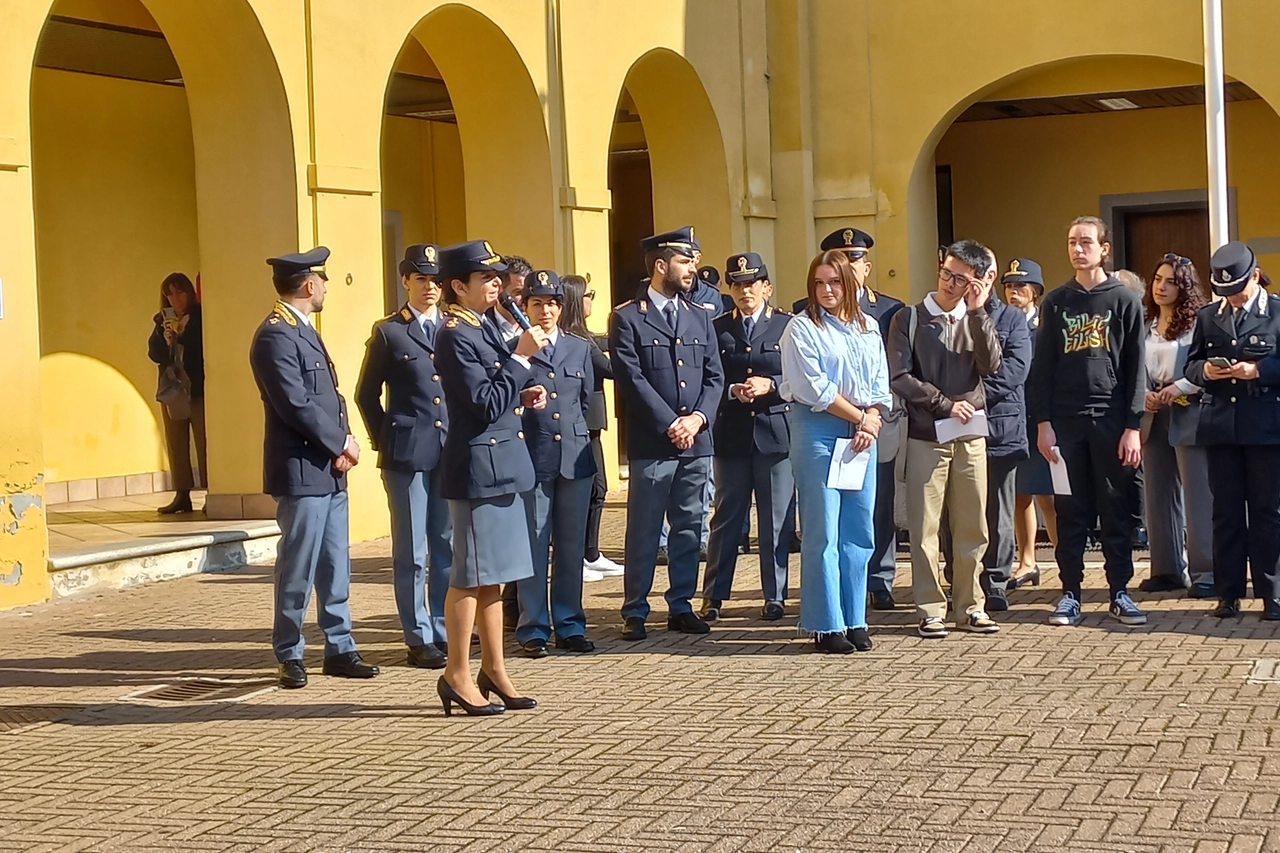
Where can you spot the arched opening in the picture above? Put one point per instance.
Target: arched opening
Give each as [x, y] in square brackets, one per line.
[113, 173]
[161, 142]
[1120, 137]
[465, 151]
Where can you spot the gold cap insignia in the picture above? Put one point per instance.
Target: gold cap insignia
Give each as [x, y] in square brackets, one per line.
[742, 264]
[848, 236]
[431, 254]
[542, 277]
[1014, 267]
[1225, 275]
[690, 232]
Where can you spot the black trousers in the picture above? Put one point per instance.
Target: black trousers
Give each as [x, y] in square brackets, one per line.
[1245, 482]
[1102, 490]
[599, 489]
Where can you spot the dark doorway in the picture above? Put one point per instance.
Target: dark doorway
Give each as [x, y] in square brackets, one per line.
[946, 210]
[1150, 235]
[631, 185]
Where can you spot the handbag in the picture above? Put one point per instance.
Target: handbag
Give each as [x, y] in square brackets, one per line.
[174, 388]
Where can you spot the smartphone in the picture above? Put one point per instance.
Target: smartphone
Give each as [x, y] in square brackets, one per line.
[1219, 361]
[170, 314]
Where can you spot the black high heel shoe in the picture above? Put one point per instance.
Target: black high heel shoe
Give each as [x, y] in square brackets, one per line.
[1031, 577]
[449, 696]
[511, 703]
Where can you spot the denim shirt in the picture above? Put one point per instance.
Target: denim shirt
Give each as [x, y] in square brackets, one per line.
[819, 362]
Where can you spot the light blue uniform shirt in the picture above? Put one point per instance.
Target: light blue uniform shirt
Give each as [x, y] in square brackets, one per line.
[819, 362]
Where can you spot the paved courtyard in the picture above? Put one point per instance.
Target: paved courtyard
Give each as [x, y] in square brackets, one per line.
[1093, 738]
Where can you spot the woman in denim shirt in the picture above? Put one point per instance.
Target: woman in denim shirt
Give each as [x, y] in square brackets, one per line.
[834, 369]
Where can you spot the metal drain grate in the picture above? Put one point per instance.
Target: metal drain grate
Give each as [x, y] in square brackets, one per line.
[24, 717]
[192, 691]
[1265, 671]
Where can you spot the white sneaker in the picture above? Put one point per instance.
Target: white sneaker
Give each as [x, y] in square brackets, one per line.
[589, 574]
[604, 566]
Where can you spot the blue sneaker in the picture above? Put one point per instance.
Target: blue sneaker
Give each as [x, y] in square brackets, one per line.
[1067, 612]
[1123, 609]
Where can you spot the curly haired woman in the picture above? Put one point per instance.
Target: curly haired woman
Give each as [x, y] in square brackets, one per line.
[1175, 515]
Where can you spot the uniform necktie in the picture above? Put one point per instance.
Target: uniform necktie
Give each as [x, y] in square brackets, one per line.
[550, 350]
[748, 323]
[670, 312]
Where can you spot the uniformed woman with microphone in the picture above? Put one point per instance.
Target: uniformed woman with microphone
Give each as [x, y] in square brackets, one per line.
[486, 467]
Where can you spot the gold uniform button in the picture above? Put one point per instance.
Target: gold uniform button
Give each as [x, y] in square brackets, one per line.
[317, 364]
[497, 364]
[519, 410]
[1233, 343]
[1233, 399]
[438, 423]
[493, 441]
[748, 370]
[677, 340]
[557, 436]
[748, 349]
[1233, 382]
[553, 395]
[436, 400]
[435, 377]
[681, 383]
[520, 435]
[655, 340]
[551, 376]
[679, 362]
[555, 416]
[684, 408]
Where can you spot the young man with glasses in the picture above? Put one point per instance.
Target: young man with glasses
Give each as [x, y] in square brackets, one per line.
[939, 352]
[1087, 396]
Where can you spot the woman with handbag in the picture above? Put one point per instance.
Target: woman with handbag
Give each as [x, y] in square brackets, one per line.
[177, 345]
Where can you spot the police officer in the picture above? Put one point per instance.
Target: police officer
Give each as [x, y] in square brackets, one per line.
[307, 450]
[560, 444]
[706, 291]
[408, 435]
[667, 368]
[856, 245]
[752, 442]
[486, 467]
[1233, 357]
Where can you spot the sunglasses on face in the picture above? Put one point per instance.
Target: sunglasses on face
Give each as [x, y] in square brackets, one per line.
[1177, 259]
[590, 294]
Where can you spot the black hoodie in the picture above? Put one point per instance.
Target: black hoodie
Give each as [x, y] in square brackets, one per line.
[1088, 358]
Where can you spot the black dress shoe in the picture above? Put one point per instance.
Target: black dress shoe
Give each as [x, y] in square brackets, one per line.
[1271, 610]
[882, 599]
[349, 665]
[511, 703]
[860, 638]
[1202, 590]
[634, 629]
[450, 697]
[773, 611]
[534, 649]
[687, 623]
[181, 503]
[1031, 577]
[662, 558]
[1228, 608]
[997, 603]
[576, 643]
[292, 674]
[426, 657]
[1164, 583]
[834, 644]
[710, 610]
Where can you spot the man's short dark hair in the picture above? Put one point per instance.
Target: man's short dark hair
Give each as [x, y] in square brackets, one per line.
[972, 254]
[664, 254]
[288, 285]
[516, 265]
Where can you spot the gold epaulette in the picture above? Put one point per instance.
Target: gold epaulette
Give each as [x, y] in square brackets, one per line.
[464, 315]
[282, 311]
[403, 312]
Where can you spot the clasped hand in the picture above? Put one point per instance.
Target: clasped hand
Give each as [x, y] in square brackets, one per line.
[755, 386]
[684, 431]
[963, 411]
[350, 457]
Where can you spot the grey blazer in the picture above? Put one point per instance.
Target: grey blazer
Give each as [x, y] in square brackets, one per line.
[1183, 419]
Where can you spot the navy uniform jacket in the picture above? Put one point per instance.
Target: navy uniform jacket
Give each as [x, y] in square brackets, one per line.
[409, 433]
[873, 303]
[761, 424]
[665, 374]
[1238, 411]
[1005, 390]
[557, 436]
[601, 369]
[306, 417]
[484, 453]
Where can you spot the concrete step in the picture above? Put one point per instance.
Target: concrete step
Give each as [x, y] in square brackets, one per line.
[123, 564]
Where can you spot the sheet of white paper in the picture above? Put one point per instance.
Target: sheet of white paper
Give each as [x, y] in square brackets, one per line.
[950, 429]
[848, 470]
[1058, 471]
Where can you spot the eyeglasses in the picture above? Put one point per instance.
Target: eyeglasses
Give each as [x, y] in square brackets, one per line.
[959, 278]
[590, 294]
[1177, 259]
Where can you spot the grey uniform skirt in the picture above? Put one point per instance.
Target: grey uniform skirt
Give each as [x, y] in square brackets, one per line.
[490, 541]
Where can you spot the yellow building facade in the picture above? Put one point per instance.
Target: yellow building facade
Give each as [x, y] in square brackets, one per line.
[143, 137]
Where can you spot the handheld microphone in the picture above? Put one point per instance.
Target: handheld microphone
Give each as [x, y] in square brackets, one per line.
[508, 303]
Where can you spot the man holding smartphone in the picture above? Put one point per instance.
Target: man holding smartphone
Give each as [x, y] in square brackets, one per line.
[1087, 396]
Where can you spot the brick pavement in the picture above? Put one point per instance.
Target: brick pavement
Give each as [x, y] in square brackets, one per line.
[1096, 738]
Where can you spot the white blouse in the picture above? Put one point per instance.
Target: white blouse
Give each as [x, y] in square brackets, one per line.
[1162, 360]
